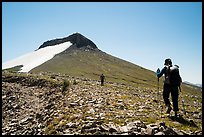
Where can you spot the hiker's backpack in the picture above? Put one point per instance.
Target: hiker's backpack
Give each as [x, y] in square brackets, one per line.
[174, 76]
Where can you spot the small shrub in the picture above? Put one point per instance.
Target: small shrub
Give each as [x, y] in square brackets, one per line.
[65, 85]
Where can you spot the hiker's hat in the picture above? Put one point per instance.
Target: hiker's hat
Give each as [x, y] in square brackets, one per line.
[168, 62]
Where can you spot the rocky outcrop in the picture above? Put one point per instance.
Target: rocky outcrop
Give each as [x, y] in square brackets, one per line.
[78, 41]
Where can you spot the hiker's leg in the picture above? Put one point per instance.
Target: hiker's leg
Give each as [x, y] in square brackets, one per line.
[166, 92]
[102, 81]
[175, 96]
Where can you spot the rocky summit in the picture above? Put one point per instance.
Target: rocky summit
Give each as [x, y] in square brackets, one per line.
[77, 39]
[58, 104]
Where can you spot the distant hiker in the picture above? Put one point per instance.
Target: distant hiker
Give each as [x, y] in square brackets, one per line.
[102, 77]
[171, 83]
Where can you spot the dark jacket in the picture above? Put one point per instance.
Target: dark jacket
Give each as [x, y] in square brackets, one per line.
[165, 72]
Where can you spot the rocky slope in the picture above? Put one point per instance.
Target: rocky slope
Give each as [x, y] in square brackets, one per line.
[48, 103]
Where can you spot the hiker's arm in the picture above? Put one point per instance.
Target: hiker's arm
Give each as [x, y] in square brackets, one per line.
[159, 74]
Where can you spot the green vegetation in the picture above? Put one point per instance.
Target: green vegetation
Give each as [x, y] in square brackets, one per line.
[92, 64]
[65, 85]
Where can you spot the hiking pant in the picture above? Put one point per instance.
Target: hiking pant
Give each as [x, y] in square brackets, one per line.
[102, 82]
[167, 89]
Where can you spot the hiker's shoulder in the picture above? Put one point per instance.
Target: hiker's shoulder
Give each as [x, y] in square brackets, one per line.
[165, 67]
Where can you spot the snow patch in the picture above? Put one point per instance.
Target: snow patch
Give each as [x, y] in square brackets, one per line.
[36, 58]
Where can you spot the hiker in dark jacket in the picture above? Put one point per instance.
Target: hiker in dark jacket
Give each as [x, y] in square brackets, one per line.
[169, 88]
[102, 77]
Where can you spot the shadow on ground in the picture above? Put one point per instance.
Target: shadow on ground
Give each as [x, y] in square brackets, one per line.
[183, 121]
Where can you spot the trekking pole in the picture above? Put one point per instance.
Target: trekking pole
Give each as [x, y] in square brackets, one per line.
[184, 111]
[158, 70]
[159, 101]
[158, 90]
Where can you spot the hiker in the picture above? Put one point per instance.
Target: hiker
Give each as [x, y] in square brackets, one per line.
[102, 77]
[169, 86]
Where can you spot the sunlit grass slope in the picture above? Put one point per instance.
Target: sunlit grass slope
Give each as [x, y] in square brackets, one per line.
[92, 64]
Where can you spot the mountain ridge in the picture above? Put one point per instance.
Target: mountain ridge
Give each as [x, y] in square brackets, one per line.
[193, 84]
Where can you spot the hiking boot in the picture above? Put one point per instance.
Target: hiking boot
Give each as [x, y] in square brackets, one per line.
[175, 114]
[169, 110]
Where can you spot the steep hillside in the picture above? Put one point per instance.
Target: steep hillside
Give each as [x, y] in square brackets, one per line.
[91, 64]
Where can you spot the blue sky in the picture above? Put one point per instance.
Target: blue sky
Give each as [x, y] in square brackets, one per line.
[144, 33]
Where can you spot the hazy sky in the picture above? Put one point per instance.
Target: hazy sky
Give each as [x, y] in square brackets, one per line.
[144, 33]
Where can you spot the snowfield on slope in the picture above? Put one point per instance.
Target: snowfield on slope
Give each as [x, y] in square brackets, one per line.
[36, 58]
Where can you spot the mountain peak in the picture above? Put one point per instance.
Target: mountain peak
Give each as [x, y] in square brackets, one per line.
[77, 40]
